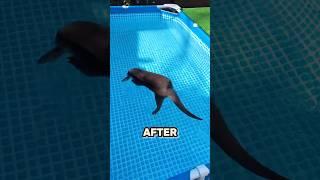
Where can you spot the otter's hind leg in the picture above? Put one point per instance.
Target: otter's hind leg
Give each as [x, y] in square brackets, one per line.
[159, 101]
[51, 55]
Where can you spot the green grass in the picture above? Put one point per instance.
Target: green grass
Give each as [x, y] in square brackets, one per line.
[201, 16]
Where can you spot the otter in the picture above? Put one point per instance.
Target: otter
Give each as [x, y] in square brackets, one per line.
[223, 137]
[88, 44]
[160, 85]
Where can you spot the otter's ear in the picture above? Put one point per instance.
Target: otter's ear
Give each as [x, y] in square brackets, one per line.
[126, 78]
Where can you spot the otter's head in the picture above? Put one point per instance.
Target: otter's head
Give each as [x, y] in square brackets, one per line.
[134, 73]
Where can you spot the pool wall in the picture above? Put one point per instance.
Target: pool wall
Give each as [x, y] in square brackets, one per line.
[153, 8]
[182, 3]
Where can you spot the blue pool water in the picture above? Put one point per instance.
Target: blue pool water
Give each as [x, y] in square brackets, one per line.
[165, 44]
[267, 84]
[53, 119]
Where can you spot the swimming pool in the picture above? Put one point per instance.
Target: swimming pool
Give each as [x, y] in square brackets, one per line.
[171, 45]
[267, 84]
[53, 118]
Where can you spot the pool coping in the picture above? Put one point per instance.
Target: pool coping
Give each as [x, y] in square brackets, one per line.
[197, 30]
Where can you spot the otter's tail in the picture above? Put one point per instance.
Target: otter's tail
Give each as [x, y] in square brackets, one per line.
[229, 144]
[174, 97]
[52, 55]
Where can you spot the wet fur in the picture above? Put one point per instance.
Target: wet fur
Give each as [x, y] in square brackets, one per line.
[88, 45]
[223, 137]
[160, 85]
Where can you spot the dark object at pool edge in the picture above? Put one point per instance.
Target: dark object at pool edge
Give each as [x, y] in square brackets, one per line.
[160, 85]
[169, 9]
[88, 44]
[221, 134]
